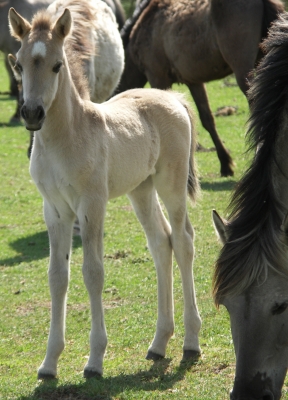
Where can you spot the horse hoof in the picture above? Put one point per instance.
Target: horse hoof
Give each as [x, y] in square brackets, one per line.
[153, 356]
[45, 377]
[227, 172]
[90, 373]
[190, 355]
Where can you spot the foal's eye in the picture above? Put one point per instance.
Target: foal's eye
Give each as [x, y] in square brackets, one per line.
[57, 67]
[279, 308]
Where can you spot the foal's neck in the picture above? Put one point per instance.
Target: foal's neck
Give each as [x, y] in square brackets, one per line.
[64, 114]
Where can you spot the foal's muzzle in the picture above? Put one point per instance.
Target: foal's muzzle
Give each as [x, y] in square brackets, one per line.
[33, 117]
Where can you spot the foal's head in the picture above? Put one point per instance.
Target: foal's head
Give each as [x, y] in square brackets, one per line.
[39, 61]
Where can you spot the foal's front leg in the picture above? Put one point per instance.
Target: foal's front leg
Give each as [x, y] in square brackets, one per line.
[91, 218]
[60, 238]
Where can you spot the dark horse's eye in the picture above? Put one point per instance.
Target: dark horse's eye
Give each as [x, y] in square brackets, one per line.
[57, 67]
[279, 308]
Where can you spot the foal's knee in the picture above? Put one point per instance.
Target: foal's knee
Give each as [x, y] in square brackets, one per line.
[93, 276]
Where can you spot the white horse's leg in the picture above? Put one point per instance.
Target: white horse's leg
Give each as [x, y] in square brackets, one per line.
[60, 237]
[91, 220]
[148, 210]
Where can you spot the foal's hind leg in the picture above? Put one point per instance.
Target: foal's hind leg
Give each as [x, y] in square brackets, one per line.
[182, 243]
[173, 193]
[157, 229]
[60, 237]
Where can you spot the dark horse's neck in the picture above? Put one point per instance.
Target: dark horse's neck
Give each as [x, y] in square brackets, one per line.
[260, 200]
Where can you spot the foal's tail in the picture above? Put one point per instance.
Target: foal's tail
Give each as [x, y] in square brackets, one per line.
[193, 185]
[193, 181]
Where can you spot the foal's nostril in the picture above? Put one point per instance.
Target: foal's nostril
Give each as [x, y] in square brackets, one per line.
[40, 113]
[23, 112]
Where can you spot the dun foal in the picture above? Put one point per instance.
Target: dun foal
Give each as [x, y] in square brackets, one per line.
[139, 143]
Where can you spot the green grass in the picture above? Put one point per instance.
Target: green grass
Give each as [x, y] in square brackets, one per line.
[130, 284]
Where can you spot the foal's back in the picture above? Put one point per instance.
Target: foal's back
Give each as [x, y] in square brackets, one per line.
[137, 134]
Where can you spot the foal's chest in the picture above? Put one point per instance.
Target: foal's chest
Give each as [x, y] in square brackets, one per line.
[54, 179]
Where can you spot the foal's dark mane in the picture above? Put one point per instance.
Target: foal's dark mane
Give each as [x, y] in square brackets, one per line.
[254, 239]
[75, 48]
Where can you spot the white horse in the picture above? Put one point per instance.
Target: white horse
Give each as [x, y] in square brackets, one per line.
[138, 143]
[97, 41]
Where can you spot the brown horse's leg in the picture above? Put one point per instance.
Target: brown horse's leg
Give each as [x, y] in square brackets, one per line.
[199, 95]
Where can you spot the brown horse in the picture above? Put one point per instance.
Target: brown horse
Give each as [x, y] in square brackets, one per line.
[193, 42]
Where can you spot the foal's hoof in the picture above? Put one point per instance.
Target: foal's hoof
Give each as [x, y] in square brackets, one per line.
[153, 356]
[45, 377]
[90, 373]
[190, 355]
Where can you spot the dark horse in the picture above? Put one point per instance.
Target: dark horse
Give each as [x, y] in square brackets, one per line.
[192, 42]
[251, 273]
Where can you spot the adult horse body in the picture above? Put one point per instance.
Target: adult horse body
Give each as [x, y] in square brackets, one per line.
[251, 273]
[96, 40]
[193, 42]
[141, 143]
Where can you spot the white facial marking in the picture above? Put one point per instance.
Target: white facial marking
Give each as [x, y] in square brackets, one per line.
[39, 49]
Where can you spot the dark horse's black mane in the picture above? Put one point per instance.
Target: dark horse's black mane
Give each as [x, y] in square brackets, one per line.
[254, 223]
[129, 24]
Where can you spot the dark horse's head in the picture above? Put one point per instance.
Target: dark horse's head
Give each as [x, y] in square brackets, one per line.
[258, 317]
[251, 273]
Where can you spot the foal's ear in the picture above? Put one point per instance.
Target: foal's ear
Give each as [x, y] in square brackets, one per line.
[63, 24]
[12, 62]
[19, 27]
[220, 225]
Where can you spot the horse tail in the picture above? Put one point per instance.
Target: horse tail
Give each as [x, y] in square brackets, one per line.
[193, 185]
[129, 24]
[272, 8]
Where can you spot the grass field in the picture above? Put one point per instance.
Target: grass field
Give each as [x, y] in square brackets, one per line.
[129, 296]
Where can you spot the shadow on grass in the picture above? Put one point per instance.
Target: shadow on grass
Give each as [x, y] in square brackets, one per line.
[156, 378]
[33, 247]
[11, 124]
[218, 186]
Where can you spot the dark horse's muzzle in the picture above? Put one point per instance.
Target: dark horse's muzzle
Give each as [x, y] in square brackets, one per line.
[33, 115]
[266, 395]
